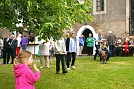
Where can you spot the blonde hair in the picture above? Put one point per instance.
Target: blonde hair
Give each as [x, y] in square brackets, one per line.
[22, 57]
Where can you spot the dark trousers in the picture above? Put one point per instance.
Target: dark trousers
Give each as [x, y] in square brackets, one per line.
[13, 55]
[69, 56]
[60, 57]
[118, 51]
[90, 50]
[111, 48]
[6, 56]
[66, 58]
[97, 53]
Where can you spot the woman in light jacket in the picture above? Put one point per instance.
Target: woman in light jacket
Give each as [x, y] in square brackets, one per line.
[60, 51]
[44, 53]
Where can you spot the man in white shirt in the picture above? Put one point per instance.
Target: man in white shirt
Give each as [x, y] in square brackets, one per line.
[97, 43]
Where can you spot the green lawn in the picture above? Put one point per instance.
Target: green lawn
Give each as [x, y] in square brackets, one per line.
[89, 74]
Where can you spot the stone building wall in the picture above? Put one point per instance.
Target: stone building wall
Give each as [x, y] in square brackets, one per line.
[4, 32]
[114, 19]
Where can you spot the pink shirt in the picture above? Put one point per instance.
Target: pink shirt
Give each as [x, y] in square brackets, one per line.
[24, 78]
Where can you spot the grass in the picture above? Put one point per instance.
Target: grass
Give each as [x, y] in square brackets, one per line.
[89, 74]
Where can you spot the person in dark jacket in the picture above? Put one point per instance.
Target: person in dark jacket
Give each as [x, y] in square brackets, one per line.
[6, 49]
[13, 47]
[111, 42]
[118, 49]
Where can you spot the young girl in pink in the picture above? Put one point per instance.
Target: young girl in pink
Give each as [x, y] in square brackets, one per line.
[24, 77]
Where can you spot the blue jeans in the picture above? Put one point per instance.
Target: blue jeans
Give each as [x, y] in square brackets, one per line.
[108, 55]
[24, 47]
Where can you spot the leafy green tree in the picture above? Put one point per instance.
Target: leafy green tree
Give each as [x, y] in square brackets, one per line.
[44, 18]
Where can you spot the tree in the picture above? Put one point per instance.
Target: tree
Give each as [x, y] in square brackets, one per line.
[44, 18]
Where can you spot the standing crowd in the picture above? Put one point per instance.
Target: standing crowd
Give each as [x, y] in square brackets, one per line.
[12, 46]
[65, 52]
[101, 45]
[108, 46]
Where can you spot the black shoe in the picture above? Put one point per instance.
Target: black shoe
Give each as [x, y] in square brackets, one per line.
[11, 63]
[57, 72]
[65, 72]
